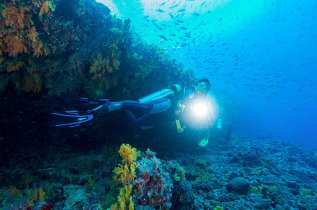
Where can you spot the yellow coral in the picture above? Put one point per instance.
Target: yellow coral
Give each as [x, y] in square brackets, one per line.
[128, 154]
[15, 67]
[41, 194]
[37, 195]
[98, 65]
[15, 192]
[124, 199]
[125, 174]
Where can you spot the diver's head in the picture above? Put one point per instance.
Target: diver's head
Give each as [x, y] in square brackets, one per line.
[203, 85]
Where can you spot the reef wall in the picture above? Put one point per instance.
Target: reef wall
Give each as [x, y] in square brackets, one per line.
[53, 50]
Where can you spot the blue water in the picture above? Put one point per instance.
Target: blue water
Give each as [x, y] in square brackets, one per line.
[261, 54]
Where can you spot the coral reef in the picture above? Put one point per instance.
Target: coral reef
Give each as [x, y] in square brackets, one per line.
[125, 176]
[63, 184]
[153, 183]
[147, 181]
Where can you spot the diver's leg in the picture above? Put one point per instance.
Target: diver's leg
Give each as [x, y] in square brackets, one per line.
[106, 108]
[138, 114]
[132, 106]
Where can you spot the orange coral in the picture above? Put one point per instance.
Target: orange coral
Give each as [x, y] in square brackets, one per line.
[15, 67]
[32, 35]
[38, 48]
[14, 45]
[46, 7]
[15, 17]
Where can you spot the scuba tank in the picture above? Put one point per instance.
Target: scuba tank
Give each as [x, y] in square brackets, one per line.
[160, 94]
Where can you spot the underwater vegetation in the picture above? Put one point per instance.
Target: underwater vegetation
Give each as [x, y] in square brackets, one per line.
[52, 50]
[47, 49]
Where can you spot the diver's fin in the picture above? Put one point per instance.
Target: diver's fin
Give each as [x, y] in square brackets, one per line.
[205, 141]
[74, 117]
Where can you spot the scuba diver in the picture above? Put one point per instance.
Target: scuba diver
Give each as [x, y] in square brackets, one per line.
[192, 107]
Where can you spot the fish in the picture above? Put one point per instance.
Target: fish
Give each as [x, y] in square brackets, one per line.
[183, 28]
[160, 10]
[170, 14]
[202, 3]
[163, 37]
[181, 10]
[174, 6]
[188, 35]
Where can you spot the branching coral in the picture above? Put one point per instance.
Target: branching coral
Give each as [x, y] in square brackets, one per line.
[38, 48]
[36, 195]
[125, 174]
[46, 7]
[32, 35]
[15, 17]
[124, 199]
[15, 67]
[15, 192]
[98, 66]
[128, 154]
[14, 45]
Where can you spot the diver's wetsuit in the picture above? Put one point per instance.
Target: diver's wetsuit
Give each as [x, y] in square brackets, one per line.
[147, 115]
